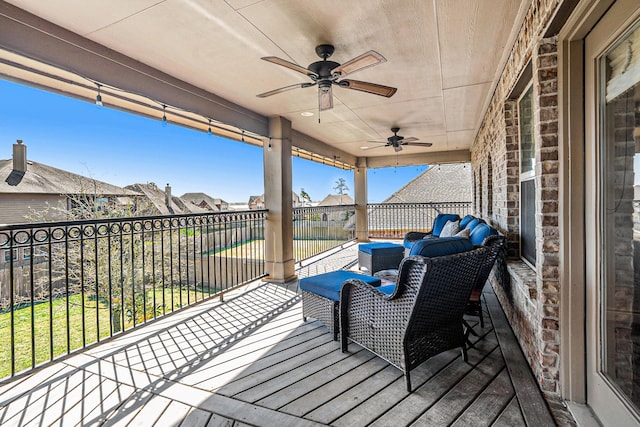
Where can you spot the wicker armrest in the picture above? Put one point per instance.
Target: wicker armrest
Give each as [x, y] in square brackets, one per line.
[361, 286]
[413, 236]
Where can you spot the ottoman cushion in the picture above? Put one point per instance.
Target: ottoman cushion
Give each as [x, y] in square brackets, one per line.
[328, 284]
[380, 248]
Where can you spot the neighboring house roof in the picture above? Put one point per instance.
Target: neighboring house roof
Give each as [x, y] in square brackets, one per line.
[254, 199]
[210, 203]
[439, 183]
[188, 207]
[42, 179]
[294, 197]
[336, 199]
[157, 197]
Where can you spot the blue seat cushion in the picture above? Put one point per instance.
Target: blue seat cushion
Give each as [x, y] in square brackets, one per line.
[465, 220]
[441, 221]
[481, 232]
[328, 284]
[388, 289]
[380, 248]
[442, 246]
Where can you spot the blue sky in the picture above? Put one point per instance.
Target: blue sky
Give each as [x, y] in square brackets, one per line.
[122, 149]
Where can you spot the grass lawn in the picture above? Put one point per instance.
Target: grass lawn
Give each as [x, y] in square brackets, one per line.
[302, 249]
[43, 324]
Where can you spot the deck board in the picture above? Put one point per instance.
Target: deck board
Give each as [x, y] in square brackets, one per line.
[491, 402]
[196, 418]
[511, 416]
[412, 407]
[324, 385]
[268, 383]
[532, 404]
[460, 396]
[251, 360]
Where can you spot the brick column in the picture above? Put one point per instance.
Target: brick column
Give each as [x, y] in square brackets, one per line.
[545, 71]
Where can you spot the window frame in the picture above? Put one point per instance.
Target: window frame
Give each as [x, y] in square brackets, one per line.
[526, 177]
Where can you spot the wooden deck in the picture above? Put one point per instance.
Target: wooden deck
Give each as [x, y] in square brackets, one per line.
[251, 360]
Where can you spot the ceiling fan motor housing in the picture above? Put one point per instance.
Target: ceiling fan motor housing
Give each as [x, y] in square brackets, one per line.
[323, 68]
[395, 138]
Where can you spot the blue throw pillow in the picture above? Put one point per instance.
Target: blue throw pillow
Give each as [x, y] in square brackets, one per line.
[443, 246]
[474, 223]
[441, 220]
[465, 220]
[481, 232]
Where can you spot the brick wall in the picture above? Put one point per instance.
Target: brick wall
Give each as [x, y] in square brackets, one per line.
[531, 299]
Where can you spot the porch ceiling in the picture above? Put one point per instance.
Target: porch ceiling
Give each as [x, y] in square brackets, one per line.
[443, 56]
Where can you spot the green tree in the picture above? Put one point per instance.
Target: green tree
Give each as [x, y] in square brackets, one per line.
[341, 186]
[105, 261]
[306, 199]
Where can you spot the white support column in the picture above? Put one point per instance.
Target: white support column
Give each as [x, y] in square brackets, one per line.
[279, 260]
[360, 192]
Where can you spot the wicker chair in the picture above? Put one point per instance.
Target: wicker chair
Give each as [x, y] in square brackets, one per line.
[497, 247]
[420, 318]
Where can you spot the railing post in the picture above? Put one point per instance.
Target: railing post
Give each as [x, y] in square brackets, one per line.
[360, 193]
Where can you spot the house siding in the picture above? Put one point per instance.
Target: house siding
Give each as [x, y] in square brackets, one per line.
[531, 296]
[15, 208]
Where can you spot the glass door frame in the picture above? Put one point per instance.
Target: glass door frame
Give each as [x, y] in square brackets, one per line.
[603, 397]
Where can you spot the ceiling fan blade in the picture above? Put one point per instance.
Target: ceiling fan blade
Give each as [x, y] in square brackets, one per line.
[371, 148]
[367, 59]
[325, 98]
[284, 89]
[373, 88]
[290, 65]
[421, 144]
[410, 139]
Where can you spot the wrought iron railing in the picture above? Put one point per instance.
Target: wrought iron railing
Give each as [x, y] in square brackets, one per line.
[393, 220]
[320, 228]
[66, 285]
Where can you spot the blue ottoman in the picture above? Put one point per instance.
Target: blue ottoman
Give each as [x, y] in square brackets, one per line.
[379, 256]
[321, 295]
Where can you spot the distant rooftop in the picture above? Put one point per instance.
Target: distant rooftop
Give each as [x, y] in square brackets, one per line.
[158, 198]
[439, 183]
[42, 179]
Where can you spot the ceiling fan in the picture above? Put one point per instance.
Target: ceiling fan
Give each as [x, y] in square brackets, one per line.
[325, 74]
[397, 141]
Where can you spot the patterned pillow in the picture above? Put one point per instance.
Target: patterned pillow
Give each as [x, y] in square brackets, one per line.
[464, 233]
[450, 229]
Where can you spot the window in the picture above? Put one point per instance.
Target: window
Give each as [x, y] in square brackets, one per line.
[7, 254]
[527, 174]
[26, 253]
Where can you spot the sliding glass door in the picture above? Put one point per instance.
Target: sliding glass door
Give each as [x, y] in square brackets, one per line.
[612, 88]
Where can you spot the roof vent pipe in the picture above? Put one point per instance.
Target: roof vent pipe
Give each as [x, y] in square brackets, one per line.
[19, 157]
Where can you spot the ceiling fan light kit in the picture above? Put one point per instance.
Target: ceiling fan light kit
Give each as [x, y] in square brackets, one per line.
[325, 74]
